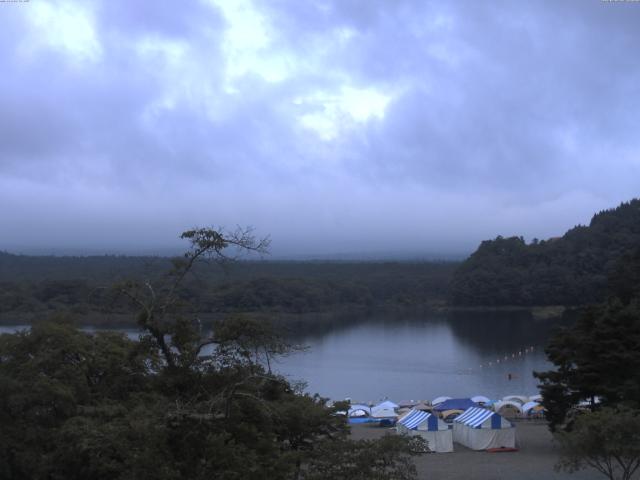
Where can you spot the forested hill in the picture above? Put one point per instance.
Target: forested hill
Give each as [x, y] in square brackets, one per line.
[569, 270]
[35, 287]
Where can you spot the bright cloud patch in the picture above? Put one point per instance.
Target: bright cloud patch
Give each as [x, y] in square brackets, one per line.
[248, 43]
[68, 28]
[328, 113]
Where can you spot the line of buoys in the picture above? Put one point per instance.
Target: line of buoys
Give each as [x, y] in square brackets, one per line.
[505, 358]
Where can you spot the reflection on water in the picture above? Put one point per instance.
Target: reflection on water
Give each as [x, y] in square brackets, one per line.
[424, 358]
[420, 357]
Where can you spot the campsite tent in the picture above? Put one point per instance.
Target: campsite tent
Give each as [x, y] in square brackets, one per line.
[359, 413]
[507, 408]
[479, 429]
[455, 404]
[384, 406]
[437, 434]
[438, 400]
[521, 399]
[423, 406]
[449, 415]
[385, 413]
[529, 406]
[533, 410]
[359, 410]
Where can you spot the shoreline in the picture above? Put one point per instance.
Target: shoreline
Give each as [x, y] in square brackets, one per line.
[96, 318]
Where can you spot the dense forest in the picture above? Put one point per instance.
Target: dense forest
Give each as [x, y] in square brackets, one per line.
[32, 288]
[569, 270]
[178, 402]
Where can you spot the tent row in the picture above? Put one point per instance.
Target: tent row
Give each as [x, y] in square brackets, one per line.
[477, 428]
[387, 412]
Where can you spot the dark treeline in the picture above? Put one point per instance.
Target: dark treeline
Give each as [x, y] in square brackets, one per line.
[570, 270]
[33, 286]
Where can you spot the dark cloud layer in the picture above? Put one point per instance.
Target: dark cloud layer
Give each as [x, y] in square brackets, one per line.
[336, 126]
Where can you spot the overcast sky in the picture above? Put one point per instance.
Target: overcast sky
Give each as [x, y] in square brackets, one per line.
[337, 127]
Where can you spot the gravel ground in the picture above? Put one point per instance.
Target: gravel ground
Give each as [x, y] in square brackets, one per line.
[535, 460]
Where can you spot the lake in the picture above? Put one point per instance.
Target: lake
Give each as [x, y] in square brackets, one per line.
[421, 357]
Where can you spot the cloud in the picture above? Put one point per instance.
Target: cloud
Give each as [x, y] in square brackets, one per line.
[336, 126]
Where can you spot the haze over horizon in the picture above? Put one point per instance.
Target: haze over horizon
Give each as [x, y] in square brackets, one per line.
[403, 128]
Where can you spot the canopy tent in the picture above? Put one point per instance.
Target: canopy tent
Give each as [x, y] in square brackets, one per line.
[508, 408]
[455, 404]
[480, 429]
[438, 400]
[481, 399]
[449, 415]
[529, 406]
[358, 409]
[358, 413]
[521, 399]
[423, 406]
[437, 434]
[386, 405]
[385, 413]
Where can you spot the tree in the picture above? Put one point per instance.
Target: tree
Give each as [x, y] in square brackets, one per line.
[387, 458]
[158, 305]
[607, 440]
[175, 404]
[599, 357]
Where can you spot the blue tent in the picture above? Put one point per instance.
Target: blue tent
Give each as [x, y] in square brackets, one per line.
[455, 404]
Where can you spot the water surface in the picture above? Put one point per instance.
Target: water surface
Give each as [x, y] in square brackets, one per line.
[422, 358]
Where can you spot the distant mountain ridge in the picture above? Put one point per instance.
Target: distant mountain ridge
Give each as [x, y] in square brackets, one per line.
[568, 270]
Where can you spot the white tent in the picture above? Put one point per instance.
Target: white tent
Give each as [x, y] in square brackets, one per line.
[480, 429]
[359, 410]
[481, 399]
[436, 433]
[438, 400]
[535, 398]
[385, 412]
[521, 399]
[529, 406]
[507, 408]
[384, 406]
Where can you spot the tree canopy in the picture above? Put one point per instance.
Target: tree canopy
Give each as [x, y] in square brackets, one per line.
[567, 270]
[180, 402]
[597, 358]
[607, 440]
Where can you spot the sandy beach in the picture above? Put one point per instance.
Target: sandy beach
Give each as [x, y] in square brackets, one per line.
[534, 461]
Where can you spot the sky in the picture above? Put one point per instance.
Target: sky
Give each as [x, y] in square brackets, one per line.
[336, 127]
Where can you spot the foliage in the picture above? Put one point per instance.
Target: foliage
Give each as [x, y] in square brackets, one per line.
[34, 287]
[570, 270]
[598, 357]
[388, 458]
[178, 403]
[607, 440]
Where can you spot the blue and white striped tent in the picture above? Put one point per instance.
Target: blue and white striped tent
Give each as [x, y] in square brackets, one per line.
[474, 417]
[437, 433]
[479, 429]
[416, 418]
